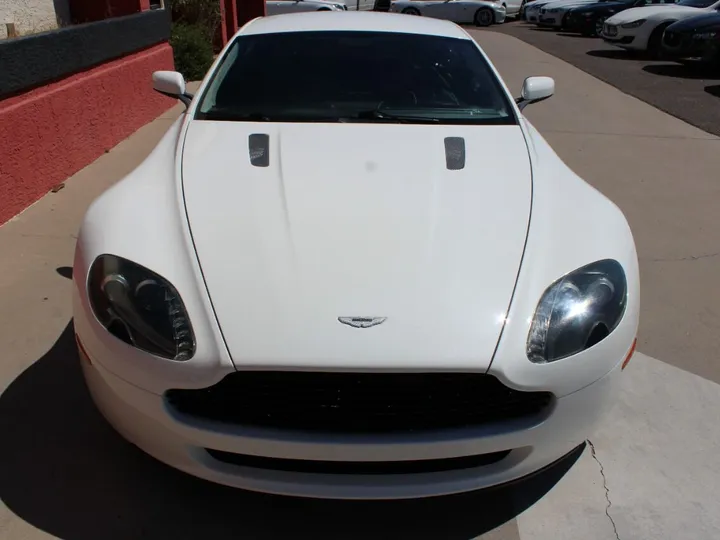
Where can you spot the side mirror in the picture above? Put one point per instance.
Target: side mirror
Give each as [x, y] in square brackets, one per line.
[171, 84]
[535, 89]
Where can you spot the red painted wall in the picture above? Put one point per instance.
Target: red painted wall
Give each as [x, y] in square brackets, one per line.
[50, 133]
[249, 9]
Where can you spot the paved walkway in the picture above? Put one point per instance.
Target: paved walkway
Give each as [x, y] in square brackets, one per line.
[651, 472]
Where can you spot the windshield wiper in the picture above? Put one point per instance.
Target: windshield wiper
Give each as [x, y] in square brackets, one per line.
[377, 114]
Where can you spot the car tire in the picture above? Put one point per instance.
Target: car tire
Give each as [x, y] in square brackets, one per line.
[654, 46]
[484, 17]
[598, 27]
[323, 9]
[411, 11]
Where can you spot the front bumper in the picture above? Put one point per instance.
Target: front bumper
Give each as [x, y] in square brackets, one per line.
[551, 19]
[146, 419]
[622, 37]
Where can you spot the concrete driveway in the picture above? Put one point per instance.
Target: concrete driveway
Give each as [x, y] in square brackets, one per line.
[650, 472]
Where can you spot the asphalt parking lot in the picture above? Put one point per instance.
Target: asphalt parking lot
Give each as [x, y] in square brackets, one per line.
[651, 471]
[688, 93]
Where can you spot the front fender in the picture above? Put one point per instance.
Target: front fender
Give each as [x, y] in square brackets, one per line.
[571, 224]
[142, 218]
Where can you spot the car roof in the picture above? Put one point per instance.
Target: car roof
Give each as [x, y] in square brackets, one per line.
[349, 21]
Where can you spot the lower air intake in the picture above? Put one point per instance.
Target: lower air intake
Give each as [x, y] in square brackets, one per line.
[359, 402]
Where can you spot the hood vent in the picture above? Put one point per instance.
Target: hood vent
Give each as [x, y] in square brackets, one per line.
[454, 153]
[259, 147]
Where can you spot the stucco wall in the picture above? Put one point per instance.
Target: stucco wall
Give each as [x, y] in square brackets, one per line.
[55, 130]
[31, 16]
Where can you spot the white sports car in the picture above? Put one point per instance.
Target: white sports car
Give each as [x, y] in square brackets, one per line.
[388, 286]
[280, 7]
[478, 12]
[641, 29]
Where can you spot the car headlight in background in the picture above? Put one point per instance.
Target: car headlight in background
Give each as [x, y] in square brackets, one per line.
[577, 311]
[140, 308]
[633, 24]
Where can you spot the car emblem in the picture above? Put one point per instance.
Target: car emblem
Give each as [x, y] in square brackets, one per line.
[362, 322]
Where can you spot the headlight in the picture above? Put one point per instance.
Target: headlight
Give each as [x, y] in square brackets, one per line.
[704, 35]
[633, 24]
[140, 308]
[577, 311]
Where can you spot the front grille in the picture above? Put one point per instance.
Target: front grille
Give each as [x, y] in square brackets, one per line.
[358, 467]
[358, 402]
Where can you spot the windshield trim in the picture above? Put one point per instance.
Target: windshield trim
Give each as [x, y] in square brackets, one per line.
[512, 117]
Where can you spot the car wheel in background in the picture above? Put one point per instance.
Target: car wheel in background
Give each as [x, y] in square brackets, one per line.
[411, 11]
[323, 9]
[484, 17]
[654, 47]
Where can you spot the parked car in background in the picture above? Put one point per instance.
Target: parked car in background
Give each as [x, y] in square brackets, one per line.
[552, 14]
[382, 5]
[478, 12]
[280, 7]
[641, 29]
[588, 19]
[523, 6]
[694, 38]
[531, 11]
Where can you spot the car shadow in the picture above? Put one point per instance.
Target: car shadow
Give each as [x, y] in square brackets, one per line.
[66, 472]
[679, 71]
[713, 90]
[581, 36]
[613, 54]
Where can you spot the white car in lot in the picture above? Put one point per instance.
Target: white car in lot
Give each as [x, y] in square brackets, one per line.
[641, 29]
[388, 286]
[279, 7]
[478, 12]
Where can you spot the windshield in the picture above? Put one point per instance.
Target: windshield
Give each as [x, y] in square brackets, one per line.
[696, 3]
[355, 77]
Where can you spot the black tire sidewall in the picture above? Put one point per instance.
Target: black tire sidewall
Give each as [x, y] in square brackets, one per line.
[479, 12]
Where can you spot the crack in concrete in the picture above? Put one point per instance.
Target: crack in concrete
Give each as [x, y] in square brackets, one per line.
[690, 258]
[605, 486]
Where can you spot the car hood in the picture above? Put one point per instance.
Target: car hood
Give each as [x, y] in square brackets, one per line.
[708, 20]
[357, 220]
[599, 6]
[651, 12]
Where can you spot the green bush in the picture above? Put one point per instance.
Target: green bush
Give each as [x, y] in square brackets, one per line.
[192, 50]
[205, 13]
